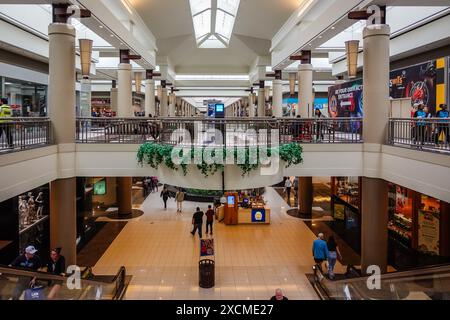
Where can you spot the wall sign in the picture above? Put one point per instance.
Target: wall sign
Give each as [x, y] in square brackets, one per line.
[258, 215]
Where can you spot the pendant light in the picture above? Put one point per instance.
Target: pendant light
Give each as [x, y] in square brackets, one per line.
[351, 48]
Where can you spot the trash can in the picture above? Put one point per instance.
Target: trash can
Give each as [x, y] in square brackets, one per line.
[206, 273]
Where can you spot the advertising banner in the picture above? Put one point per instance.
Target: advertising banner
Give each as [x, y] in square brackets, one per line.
[417, 82]
[428, 238]
[346, 100]
[290, 104]
[206, 247]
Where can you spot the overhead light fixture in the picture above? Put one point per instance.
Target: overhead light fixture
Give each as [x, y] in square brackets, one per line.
[352, 48]
[101, 27]
[85, 56]
[332, 28]
[127, 6]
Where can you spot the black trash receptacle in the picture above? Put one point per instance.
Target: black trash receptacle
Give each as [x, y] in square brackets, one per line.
[206, 273]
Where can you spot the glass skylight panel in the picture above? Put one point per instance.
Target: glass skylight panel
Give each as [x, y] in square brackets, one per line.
[224, 24]
[198, 6]
[230, 6]
[212, 43]
[202, 24]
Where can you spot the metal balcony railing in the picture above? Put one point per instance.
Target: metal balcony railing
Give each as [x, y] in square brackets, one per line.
[431, 134]
[18, 134]
[212, 132]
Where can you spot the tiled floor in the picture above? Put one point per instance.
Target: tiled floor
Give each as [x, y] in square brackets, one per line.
[251, 261]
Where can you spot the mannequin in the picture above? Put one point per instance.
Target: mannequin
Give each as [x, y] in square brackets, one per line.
[40, 203]
[23, 212]
[31, 207]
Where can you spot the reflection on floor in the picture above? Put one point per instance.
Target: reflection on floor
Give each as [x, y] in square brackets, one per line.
[251, 261]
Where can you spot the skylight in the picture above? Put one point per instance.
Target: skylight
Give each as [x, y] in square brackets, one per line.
[213, 21]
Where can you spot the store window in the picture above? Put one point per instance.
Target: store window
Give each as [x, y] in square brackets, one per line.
[401, 213]
[27, 99]
[347, 189]
[428, 225]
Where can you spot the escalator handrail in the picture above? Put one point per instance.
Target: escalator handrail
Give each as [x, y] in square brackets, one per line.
[48, 276]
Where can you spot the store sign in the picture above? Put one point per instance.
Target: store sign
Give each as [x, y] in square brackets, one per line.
[417, 82]
[206, 247]
[258, 215]
[346, 100]
[428, 238]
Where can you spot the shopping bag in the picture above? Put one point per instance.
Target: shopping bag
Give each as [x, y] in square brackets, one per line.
[442, 137]
[34, 293]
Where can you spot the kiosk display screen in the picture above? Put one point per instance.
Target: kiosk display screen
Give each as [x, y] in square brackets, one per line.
[230, 201]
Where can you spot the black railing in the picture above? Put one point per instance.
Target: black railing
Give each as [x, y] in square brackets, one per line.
[235, 131]
[18, 134]
[432, 134]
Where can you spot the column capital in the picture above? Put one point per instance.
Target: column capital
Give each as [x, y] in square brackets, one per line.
[305, 67]
[61, 28]
[376, 30]
[124, 66]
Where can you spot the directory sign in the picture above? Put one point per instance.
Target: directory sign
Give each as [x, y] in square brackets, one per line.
[219, 110]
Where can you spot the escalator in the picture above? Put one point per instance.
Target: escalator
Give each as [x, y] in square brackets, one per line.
[429, 283]
[15, 285]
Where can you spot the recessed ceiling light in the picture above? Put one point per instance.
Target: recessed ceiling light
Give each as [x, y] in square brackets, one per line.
[101, 27]
[332, 28]
[112, 36]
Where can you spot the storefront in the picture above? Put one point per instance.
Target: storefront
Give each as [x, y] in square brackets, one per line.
[27, 99]
[345, 209]
[418, 228]
[24, 220]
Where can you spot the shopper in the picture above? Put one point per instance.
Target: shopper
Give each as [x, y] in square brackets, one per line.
[287, 189]
[319, 125]
[165, 195]
[209, 220]
[197, 222]
[28, 260]
[279, 296]
[296, 182]
[420, 125]
[5, 127]
[443, 125]
[57, 263]
[179, 198]
[333, 255]
[320, 251]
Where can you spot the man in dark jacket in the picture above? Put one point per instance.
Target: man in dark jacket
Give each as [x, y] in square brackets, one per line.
[197, 221]
[28, 260]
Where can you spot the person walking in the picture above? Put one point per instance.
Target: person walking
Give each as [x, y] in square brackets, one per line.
[288, 187]
[165, 195]
[319, 125]
[197, 222]
[333, 255]
[443, 125]
[179, 198]
[5, 128]
[28, 260]
[209, 220]
[320, 251]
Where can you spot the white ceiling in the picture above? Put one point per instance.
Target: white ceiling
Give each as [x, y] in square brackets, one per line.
[256, 23]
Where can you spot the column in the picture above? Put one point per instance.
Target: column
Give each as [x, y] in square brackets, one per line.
[124, 192]
[305, 91]
[61, 101]
[261, 102]
[113, 96]
[277, 105]
[125, 92]
[374, 206]
[251, 106]
[172, 101]
[305, 196]
[85, 98]
[150, 106]
[164, 106]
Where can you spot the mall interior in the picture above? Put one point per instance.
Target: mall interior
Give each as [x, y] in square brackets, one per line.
[286, 121]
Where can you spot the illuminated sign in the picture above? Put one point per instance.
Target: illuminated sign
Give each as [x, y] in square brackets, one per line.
[258, 215]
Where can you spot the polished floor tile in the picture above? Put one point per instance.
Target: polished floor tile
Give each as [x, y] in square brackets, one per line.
[251, 261]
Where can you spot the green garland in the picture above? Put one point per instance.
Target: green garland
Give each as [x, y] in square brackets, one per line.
[155, 154]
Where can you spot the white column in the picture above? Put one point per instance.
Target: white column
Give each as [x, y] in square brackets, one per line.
[125, 93]
[251, 106]
[261, 102]
[305, 91]
[150, 107]
[172, 101]
[164, 106]
[277, 101]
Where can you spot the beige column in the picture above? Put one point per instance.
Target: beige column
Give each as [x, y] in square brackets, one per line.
[61, 101]
[374, 201]
[125, 91]
[113, 96]
[124, 195]
[61, 91]
[277, 101]
[172, 101]
[261, 103]
[305, 196]
[305, 91]
[150, 106]
[251, 106]
[63, 215]
[164, 106]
